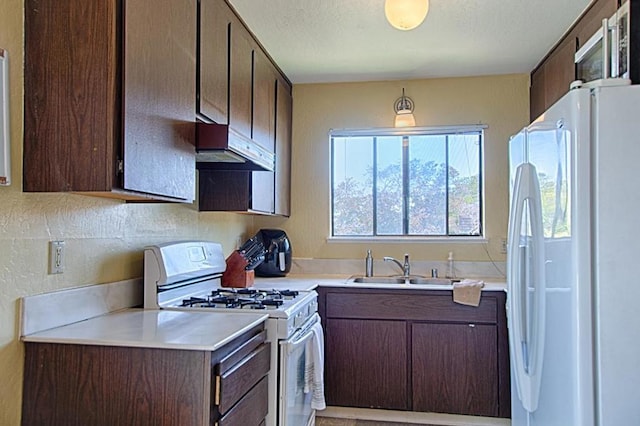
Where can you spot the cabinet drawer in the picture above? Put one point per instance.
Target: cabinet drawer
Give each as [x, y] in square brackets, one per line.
[409, 307]
[252, 408]
[235, 356]
[236, 381]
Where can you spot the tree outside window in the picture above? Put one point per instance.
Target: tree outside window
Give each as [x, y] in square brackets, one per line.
[423, 183]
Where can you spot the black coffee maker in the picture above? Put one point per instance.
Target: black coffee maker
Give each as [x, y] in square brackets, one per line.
[277, 259]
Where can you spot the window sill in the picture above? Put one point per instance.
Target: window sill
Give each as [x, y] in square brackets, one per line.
[408, 240]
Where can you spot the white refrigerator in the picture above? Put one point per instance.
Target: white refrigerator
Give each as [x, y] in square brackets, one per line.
[573, 303]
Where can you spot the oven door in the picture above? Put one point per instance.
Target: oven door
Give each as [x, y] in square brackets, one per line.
[295, 404]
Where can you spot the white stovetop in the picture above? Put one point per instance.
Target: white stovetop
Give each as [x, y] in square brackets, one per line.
[186, 330]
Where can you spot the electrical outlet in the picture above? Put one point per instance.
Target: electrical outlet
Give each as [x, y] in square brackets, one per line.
[503, 245]
[56, 257]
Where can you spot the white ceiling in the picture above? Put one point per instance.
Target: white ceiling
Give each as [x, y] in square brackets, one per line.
[350, 40]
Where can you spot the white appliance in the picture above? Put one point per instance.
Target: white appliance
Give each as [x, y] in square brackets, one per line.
[187, 275]
[606, 54]
[573, 304]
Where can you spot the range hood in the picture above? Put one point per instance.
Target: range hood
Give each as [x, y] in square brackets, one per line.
[220, 147]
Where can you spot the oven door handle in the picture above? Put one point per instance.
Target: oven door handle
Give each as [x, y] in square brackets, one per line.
[305, 333]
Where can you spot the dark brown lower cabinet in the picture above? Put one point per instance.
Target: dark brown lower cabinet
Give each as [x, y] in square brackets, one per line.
[362, 368]
[459, 373]
[415, 350]
[67, 384]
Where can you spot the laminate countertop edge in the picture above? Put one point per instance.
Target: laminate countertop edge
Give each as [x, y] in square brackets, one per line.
[148, 328]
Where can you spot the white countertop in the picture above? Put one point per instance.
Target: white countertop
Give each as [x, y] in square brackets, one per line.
[193, 330]
[304, 282]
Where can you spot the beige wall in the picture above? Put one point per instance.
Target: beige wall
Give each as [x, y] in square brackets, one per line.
[104, 238]
[500, 102]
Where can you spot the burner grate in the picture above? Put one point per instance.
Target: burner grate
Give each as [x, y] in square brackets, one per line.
[243, 298]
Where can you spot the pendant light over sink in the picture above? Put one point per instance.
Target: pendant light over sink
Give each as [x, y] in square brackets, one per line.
[406, 14]
[404, 112]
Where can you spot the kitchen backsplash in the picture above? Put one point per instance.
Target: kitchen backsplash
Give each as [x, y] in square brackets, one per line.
[485, 270]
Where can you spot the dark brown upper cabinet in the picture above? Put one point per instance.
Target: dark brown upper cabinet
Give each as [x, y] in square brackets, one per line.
[241, 79]
[284, 109]
[109, 90]
[252, 96]
[213, 68]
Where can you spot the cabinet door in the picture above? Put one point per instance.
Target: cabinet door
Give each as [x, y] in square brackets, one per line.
[367, 364]
[70, 95]
[537, 103]
[263, 128]
[455, 368]
[264, 100]
[213, 70]
[559, 70]
[240, 78]
[159, 89]
[284, 104]
[67, 384]
[222, 190]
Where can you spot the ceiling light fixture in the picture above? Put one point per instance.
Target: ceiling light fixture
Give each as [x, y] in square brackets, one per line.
[404, 111]
[406, 14]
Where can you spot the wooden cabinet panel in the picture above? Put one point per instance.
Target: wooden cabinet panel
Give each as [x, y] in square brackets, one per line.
[263, 129]
[231, 385]
[71, 95]
[408, 307]
[559, 70]
[222, 190]
[457, 375]
[264, 100]
[366, 363]
[284, 109]
[240, 79]
[251, 410]
[537, 103]
[231, 190]
[109, 81]
[106, 386]
[250, 91]
[68, 384]
[213, 70]
[159, 89]
[441, 363]
[263, 192]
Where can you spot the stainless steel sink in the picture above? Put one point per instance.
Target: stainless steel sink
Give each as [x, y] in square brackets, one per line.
[379, 280]
[433, 281]
[413, 279]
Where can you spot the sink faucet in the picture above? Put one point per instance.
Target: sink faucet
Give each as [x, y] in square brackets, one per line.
[406, 268]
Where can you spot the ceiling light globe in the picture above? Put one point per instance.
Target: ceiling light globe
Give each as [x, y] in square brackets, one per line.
[406, 14]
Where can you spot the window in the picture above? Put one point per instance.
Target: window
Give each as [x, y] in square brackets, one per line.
[394, 182]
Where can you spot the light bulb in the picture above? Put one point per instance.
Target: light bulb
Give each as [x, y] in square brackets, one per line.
[406, 14]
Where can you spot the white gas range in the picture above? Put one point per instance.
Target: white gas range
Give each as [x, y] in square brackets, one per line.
[187, 275]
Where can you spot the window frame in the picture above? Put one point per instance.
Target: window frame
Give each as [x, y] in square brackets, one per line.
[412, 131]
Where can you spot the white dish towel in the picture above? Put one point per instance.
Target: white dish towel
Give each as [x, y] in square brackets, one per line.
[314, 368]
[468, 292]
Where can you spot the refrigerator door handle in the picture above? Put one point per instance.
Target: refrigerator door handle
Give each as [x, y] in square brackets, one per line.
[526, 303]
